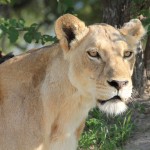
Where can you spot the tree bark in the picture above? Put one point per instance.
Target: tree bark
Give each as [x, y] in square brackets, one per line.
[147, 58]
[116, 12]
[138, 74]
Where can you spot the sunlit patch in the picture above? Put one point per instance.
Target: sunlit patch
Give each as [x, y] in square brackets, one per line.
[40, 147]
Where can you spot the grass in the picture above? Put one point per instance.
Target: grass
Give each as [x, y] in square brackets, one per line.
[139, 107]
[104, 132]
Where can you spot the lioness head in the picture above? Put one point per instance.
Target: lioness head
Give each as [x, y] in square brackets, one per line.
[101, 59]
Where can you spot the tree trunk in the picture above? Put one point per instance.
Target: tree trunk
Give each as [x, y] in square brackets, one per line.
[147, 58]
[116, 13]
[138, 74]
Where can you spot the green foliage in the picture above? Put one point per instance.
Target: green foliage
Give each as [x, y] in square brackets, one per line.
[146, 23]
[12, 28]
[33, 34]
[5, 1]
[105, 133]
[65, 6]
[141, 8]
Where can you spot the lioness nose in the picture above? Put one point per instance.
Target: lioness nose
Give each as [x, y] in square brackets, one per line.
[117, 84]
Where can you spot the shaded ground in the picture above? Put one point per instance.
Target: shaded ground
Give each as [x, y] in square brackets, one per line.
[140, 139]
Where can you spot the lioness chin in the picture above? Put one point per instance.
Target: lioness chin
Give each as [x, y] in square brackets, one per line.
[46, 94]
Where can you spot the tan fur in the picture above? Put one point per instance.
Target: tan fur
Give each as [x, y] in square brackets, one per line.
[46, 94]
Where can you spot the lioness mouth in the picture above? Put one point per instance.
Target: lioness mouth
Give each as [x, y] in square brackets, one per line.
[102, 102]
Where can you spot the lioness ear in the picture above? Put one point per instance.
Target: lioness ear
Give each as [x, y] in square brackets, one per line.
[133, 28]
[69, 31]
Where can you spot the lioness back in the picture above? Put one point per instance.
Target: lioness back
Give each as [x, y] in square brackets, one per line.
[46, 94]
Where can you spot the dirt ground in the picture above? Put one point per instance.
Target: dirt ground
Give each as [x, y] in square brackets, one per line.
[140, 139]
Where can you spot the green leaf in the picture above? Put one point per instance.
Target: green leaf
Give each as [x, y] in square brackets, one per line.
[21, 23]
[13, 34]
[47, 38]
[3, 28]
[13, 22]
[28, 37]
[37, 36]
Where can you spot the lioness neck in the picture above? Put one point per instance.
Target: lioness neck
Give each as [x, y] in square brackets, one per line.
[68, 105]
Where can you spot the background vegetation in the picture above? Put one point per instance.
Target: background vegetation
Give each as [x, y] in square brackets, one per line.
[26, 24]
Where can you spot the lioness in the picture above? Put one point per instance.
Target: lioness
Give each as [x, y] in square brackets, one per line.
[46, 94]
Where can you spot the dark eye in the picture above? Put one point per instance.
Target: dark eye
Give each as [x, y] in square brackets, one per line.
[93, 54]
[128, 54]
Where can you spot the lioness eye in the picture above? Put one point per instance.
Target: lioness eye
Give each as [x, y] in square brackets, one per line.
[127, 54]
[93, 54]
